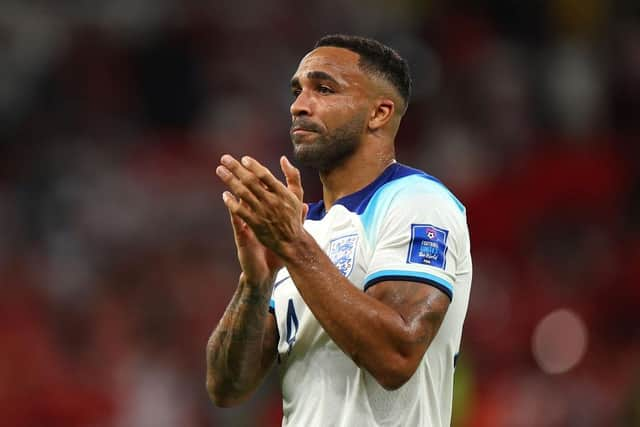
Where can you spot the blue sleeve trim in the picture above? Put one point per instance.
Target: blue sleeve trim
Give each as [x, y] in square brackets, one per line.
[272, 307]
[280, 282]
[410, 276]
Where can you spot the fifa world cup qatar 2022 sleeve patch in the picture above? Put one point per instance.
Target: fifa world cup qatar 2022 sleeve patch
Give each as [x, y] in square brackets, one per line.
[428, 245]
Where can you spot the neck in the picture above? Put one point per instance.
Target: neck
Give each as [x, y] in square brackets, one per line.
[355, 173]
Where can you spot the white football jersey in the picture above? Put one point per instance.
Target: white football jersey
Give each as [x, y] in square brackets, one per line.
[405, 225]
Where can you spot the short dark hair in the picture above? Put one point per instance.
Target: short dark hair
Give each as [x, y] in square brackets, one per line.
[375, 58]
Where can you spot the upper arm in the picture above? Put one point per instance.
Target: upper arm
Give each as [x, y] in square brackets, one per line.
[418, 234]
[417, 231]
[422, 309]
[418, 237]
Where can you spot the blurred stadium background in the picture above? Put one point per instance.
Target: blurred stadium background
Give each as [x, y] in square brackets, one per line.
[116, 258]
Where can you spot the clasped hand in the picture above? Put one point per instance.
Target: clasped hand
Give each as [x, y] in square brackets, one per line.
[273, 211]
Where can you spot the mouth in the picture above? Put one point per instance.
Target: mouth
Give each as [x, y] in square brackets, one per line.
[304, 127]
[299, 134]
[300, 131]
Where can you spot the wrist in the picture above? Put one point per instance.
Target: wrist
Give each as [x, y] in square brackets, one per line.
[300, 250]
[258, 284]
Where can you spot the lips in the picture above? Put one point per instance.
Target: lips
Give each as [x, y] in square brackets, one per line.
[300, 130]
[300, 126]
[299, 133]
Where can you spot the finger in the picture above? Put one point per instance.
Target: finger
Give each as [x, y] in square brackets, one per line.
[292, 175]
[263, 174]
[238, 188]
[305, 211]
[238, 225]
[238, 209]
[247, 176]
[242, 233]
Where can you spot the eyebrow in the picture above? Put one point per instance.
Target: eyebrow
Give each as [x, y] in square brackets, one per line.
[315, 75]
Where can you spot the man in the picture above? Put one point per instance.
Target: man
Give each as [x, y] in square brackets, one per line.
[368, 295]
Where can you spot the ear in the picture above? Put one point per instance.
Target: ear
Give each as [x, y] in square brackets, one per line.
[383, 112]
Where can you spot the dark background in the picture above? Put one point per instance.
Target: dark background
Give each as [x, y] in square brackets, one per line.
[117, 260]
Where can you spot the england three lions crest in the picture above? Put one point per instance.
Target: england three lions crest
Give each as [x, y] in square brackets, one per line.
[342, 252]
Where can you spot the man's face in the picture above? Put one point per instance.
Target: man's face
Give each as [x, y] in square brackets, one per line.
[330, 110]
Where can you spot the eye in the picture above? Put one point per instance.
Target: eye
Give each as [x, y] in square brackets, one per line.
[324, 89]
[295, 92]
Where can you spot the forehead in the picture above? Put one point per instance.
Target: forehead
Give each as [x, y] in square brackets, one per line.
[341, 64]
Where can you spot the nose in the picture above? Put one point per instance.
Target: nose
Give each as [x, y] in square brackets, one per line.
[302, 105]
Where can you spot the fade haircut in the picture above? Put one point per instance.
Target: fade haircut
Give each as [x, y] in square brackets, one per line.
[375, 58]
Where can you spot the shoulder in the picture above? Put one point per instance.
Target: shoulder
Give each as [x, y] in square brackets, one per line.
[398, 185]
[413, 189]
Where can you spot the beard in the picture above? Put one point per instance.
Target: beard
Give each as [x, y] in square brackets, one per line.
[328, 150]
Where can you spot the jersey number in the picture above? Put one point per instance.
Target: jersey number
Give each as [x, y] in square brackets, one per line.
[292, 324]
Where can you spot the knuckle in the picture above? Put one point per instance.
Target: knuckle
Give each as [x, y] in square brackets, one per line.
[243, 192]
[250, 180]
[264, 175]
[234, 207]
[261, 173]
[269, 201]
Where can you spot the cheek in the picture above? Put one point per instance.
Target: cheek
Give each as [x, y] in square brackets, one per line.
[345, 111]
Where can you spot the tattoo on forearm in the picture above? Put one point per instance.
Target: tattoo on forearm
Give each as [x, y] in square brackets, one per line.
[235, 345]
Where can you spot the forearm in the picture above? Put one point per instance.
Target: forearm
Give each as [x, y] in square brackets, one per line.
[235, 348]
[373, 334]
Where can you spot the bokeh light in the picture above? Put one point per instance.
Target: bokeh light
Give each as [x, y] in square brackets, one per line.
[559, 341]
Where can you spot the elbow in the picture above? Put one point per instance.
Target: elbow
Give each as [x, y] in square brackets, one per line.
[220, 396]
[396, 374]
[393, 384]
[217, 398]
[393, 381]
[220, 401]
[399, 364]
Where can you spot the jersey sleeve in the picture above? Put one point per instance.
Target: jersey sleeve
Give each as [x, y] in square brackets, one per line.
[418, 237]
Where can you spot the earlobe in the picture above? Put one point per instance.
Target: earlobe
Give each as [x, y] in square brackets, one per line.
[382, 114]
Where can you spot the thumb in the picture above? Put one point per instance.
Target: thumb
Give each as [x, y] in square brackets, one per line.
[292, 175]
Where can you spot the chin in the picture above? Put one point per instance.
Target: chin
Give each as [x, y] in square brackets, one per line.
[306, 157]
[322, 154]
[303, 139]
[317, 160]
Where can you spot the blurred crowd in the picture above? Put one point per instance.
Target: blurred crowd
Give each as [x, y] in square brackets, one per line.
[117, 260]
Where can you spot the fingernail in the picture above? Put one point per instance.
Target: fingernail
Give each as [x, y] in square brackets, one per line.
[245, 161]
[222, 172]
[226, 159]
[225, 196]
